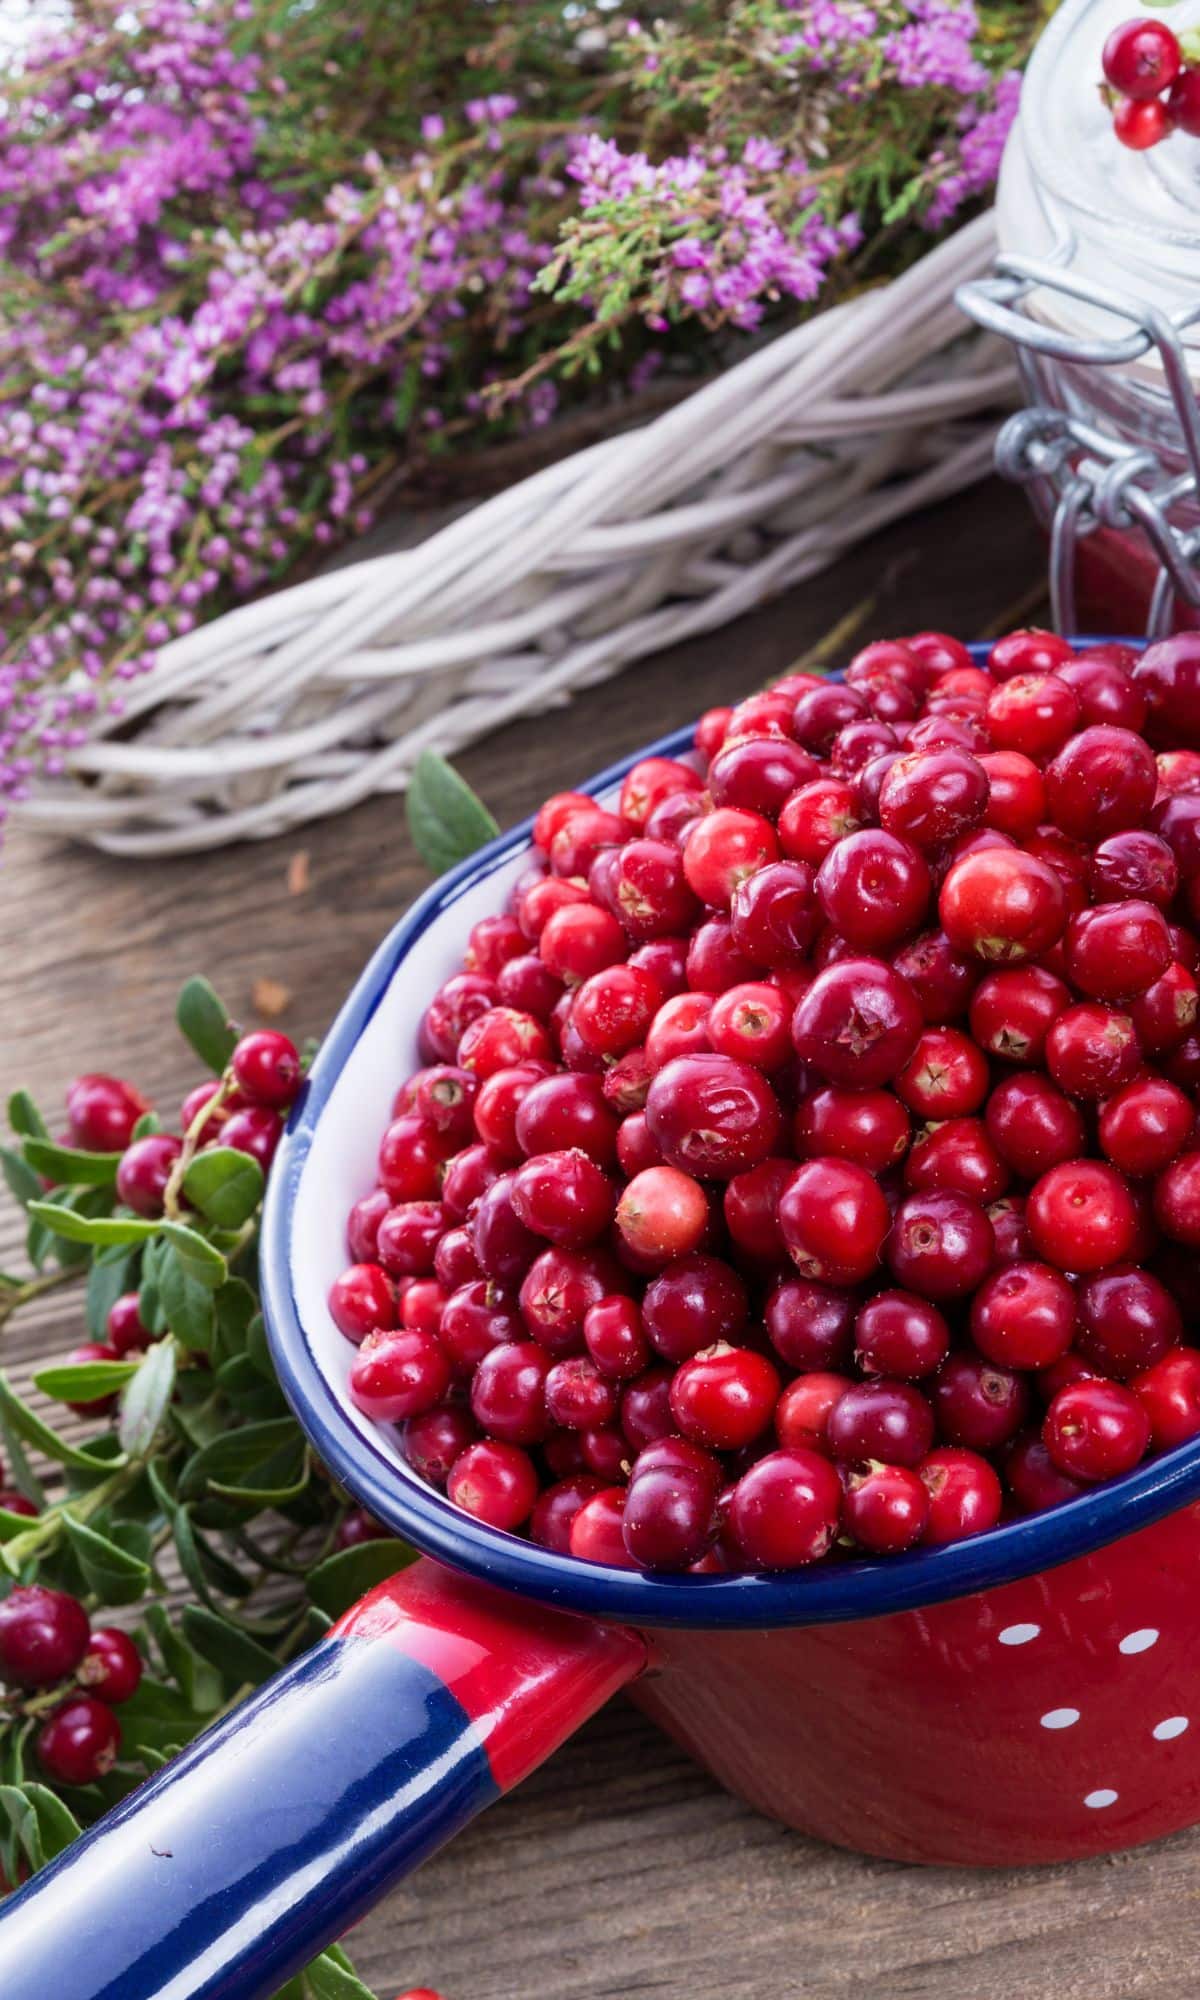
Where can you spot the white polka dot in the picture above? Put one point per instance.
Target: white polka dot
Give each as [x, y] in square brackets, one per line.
[1140, 1641]
[1104, 1797]
[1173, 1726]
[1020, 1635]
[1059, 1718]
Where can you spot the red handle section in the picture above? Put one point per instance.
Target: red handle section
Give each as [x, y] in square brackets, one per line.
[526, 1675]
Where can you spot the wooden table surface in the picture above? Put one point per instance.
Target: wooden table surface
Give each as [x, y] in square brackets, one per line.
[620, 1869]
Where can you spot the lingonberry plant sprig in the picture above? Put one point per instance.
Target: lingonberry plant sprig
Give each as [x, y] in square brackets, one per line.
[190, 1503]
[1153, 79]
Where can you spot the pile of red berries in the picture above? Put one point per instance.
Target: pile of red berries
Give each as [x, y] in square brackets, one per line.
[806, 1159]
[47, 1641]
[1157, 90]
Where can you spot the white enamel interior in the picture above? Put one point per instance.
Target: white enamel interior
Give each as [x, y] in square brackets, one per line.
[340, 1167]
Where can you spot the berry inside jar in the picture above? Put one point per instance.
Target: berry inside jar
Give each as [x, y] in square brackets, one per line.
[805, 1163]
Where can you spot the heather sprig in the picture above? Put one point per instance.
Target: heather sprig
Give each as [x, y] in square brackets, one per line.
[257, 259]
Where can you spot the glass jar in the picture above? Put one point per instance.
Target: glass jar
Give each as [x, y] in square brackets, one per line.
[1098, 285]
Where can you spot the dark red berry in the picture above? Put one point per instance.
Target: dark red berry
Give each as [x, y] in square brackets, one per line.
[111, 1669]
[266, 1066]
[79, 1742]
[43, 1636]
[102, 1112]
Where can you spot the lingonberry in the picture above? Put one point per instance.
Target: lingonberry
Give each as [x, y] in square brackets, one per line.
[891, 1421]
[557, 1290]
[508, 1392]
[945, 1077]
[92, 1350]
[443, 1099]
[1166, 1013]
[752, 1022]
[1146, 1125]
[1177, 1200]
[941, 1245]
[869, 1127]
[475, 1318]
[612, 1010]
[1033, 1478]
[255, 1130]
[492, 942]
[432, 1441]
[965, 1495]
[802, 1412]
[407, 1238]
[1127, 1321]
[857, 1025]
[362, 1301]
[79, 1742]
[528, 986]
[555, 812]
[759, 773]
[556, 1507]
[1169, 1392]
[1091, 1050]
[874, 889]
[1013, 1011]
[978, 1403]
[663, 1214]
[494, 1481]
[822, 711]
[1116, 950]
[680, 1027]
[398, 1373]
[1033, 713]
[1169, 676]
[1081, 1216]
[714, 960]
[1135, 864]
[929, 796]
[724, 1396]
[266, 1066]
[1033, 1125]
[102, 1112]
[1007, 1218]
[957, 1155]
[941, 979]
[1095, 1430]
[504, 1247]
[785, 1511]
[500, 1098]
[834, 1220]
[605, 1450]
[144, 1170]
[203, 1099]
[885, 1508]
[616, 1339]
[43, 1636]
[626, 1083]
[713, 1116]
[111, 1669]
[899, 1335]
[859, 744]
[356, 1527]
[1002, 904]
[501, 1039]
[696, 1302]
[652, 780]
[126, 1332]
[579, 1396]
[564, 1197]
[817, 816]
[582, 835]
[868, 783]
[774, 914]
[1183, 102]
[669, 1518]
[1141, 59]
[722, 849]
[636, 1150]
[596, 1531]
[1029, 651]
[1016, 794]
[566, 1112]
[646, 1413]
[454, 1006]
[1023, 1316]
[1102, 782]
[537, 905]
[947, 732]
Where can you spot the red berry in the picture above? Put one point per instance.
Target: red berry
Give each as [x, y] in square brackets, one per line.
[1140, 125]
[652, 780]
[834, 1220]
[556, 1507]
[1092, 1050]
[102, 1112]
[578, 1396]
[945, 1076]
[1095, 1430]
[663, 1214]
[941, 1245]
[126, 1332]
[432, 1441]
[144, 1172]
[495, 1482]
[1033, 713]
[1002, 904]
[890, 1421]
[407, 1238]
[476, 1318]
[803, 1411]
[111, 1669]
[965, 1496]
[93, 1350]
[759, 773]
[1134, 864]
[1169, 1392]
[669, 1518]
[1177, 1200]
[886, 1508]
[752, 1022]
[1102, 782]
[266, 1066]
[43, 1636]
[1023, 1316]
[1081, 1216]
[1034, 1480]
[901, 1336]
[362, 1300]
[929, 796]
[454, 1006]
[978, 1403]
[724, 1396]
[940, 977]
[508, 1392]
[785, 1510]
[596, 1530]
[751, 1209]
[1016, 798]
[1127, 1321]
[722, 849]
[1141, 58]
[1032, 1125]
[869, 1127]
[1165, 1015]
[254, 1130]
[1183, 102]
[712, 1116]
[616, 1339]
[557, 1291]
[79, 1742]
[1027, 652]
[874, 889]
[564, 1112]
[1116, 950]
[564, 1197]
[1146, 1125]
[858, 1024]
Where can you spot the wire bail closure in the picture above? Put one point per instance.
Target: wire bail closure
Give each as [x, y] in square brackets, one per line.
[1081, 475]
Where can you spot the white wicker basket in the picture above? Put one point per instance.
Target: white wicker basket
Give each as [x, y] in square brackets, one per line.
[307, 701]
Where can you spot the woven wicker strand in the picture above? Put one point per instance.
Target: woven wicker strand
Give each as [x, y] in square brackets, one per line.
[306, 701]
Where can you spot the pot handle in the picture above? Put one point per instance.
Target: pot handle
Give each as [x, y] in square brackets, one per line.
[277, 1829]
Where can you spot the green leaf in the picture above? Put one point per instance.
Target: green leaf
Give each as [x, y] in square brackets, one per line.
[66, 1165]
[329, 1978]
[110, 1275]
[204, 1568]
[232, 1458]
[145, 1400]
[98, 1230]
[258, 1353]
[445, 818]
[186, 1302]
[199, 1683]
[23, 1822]
[237, 1658]
[57, 1824]
[225, 1185]
[83, 1381]
[275, 1482]
[25, 1118]
[158, 1717]
[148, 1123]
[12, 1525]
[29, 1426]
[23, 1184]
[199, 1258]
[237, 1310]
[338, 1582]
[116, 1576]
[203, 1019]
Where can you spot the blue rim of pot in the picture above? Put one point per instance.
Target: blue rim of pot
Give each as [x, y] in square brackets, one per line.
[827, 1593]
